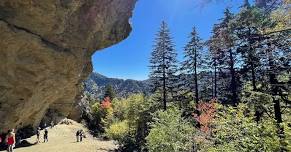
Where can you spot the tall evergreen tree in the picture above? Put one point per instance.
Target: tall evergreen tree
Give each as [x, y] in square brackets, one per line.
[193, 60]
[246, 25]
[215, 59]
[109, 92]
[264, 55]
[229, 54]
[163, 65]
[268, 5]
[275, 58]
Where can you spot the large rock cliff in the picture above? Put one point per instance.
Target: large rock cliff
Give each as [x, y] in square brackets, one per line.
[45, 52]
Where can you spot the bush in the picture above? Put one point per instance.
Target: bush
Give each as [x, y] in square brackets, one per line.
[206, 114]
[287, 129]
[120, 107]
[287, 139]
[103, 114]
[235, 129]
[118, 131]
[136, 111]
[170, 133]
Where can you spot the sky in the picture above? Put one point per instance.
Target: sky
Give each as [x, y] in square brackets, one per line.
[129, 59]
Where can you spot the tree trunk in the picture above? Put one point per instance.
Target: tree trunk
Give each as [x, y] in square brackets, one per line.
[196, 79]
[275, 92]
[233, 84]
[164, 88]
[253, 76]
[251, 57]
[212, 86]
[215, 79]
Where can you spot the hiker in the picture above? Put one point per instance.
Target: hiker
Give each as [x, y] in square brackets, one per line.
[81, 135]
[52, 124]
[38, 134]
[45, 135]
[10, 140]
[78, 135]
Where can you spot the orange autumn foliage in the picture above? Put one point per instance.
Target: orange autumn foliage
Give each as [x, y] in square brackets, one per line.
[106, 103]
[206, 115]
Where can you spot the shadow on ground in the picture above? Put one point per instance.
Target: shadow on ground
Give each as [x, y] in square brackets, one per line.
[23, 143]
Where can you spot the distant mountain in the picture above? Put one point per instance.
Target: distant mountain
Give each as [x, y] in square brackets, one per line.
[96, 83]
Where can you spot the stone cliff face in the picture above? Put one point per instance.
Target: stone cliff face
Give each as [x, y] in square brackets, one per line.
[45, 52]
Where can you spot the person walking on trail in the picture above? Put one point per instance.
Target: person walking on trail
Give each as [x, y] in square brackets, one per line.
[78, 135]
[52, 124]
[10, 140]
[38, 135]
[45, 135]
[81, 135]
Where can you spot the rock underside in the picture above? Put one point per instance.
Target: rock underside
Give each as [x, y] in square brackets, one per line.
[45, 53]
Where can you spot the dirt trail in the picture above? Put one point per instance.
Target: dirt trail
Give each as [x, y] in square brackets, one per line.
[62, 139]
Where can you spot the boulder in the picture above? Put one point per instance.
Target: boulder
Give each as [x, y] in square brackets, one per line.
[45, 53]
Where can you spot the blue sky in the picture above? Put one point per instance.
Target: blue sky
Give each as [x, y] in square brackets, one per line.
[129, 59]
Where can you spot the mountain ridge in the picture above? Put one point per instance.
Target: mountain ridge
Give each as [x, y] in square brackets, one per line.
[96, 83]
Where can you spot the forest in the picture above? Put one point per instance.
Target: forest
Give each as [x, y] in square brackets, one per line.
[229, 93]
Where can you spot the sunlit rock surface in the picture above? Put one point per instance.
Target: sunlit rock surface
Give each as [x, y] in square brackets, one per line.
[45, 52]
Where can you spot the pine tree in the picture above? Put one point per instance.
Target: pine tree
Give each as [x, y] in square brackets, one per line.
[193, 60]
[163, 65]
[229, 54]
[214, 60]
[268, 4]
[275, 58]
[246, 26]
[109, 92]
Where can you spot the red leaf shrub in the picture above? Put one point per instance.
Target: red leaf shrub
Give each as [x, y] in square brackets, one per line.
[206, 114]
[106, 103]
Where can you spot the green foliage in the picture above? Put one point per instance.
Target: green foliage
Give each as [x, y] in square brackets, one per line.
[109, 92]
[284, 77]
[286, 143]
[281, 16]
[287, 131]
[107, 118]
[256, 100]
[170, 132]
[129, 109]
[133, 112]
[235, 129]
[96, 107]
[103, 115]
[246, 48]
[120, 107]
[118, 131]
[163, 65]
[193, 60]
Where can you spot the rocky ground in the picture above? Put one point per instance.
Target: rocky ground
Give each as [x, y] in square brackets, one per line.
[62, 139]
